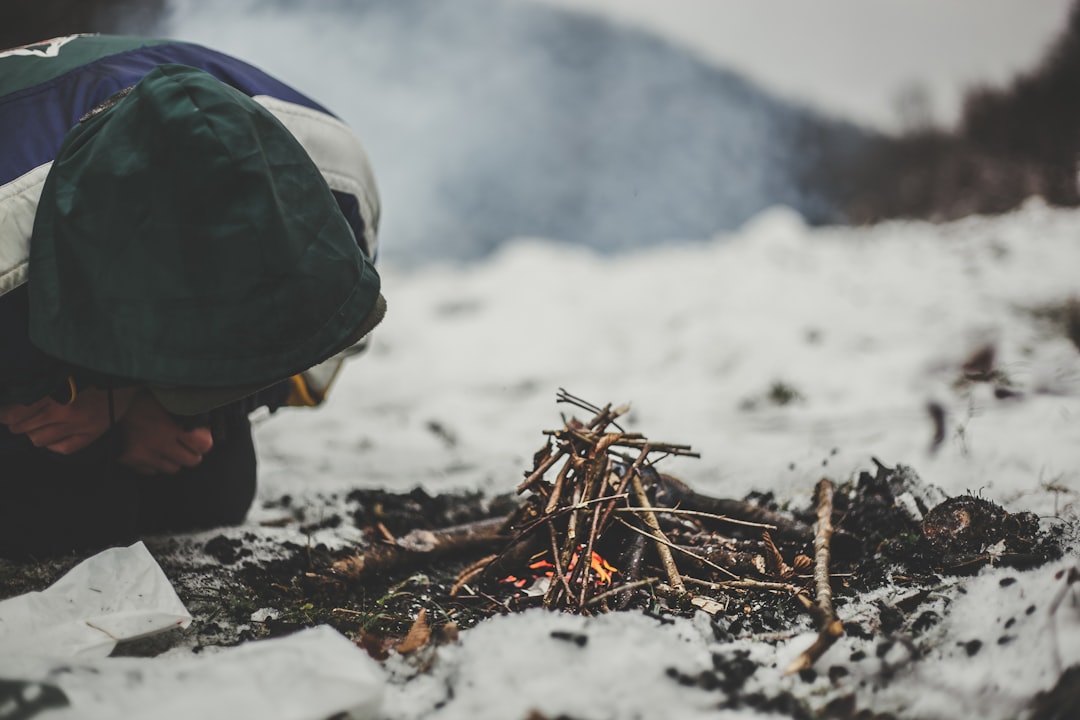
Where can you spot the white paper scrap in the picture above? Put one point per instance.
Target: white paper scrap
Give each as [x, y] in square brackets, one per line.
[310, 675]
[118, 594]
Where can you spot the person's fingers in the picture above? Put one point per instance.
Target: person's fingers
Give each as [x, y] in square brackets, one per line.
[199, 440]
[155, 462]
[70, 444]
[16, 413]
[182, 455]
[60, 438]
[47, 435]
[24, 418]
[152, 466]
[136, 461]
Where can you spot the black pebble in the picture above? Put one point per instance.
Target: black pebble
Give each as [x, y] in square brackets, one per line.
[576, 638]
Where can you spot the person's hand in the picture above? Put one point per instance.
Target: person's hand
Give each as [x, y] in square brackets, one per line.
[153, 443]
[65, 429]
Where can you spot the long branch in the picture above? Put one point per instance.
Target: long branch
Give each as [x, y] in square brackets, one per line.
[700, 514]
[829, 628]
[675, 493]
[668, 546]
[662, 543]
[421, 545]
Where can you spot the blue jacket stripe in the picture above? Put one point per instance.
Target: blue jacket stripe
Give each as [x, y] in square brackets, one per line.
[41, 116]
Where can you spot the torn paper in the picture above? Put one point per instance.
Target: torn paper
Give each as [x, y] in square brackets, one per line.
[118, 594]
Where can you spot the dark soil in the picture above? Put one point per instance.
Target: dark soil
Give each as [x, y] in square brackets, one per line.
[884, 534]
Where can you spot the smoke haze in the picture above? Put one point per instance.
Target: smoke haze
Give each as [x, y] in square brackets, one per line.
[487, 120]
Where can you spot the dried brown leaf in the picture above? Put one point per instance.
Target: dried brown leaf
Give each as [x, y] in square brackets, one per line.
[419, 634]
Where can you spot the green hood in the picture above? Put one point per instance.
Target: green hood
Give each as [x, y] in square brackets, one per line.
[185, 238]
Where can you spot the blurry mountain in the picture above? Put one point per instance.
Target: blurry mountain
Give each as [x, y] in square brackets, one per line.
[1012, 143]
[489, 119]
[492, 119]
[28, 21]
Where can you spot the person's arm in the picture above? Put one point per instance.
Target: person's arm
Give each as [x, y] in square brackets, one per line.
[152, 441]
[66, 428]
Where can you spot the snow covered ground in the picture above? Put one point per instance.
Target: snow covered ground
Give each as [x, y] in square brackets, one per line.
[860, 327]
[866, 325]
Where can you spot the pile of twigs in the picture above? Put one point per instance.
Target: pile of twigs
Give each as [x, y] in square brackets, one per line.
[602, 529]
[600, 478]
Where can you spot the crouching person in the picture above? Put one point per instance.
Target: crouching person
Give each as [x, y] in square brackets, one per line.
[183, 239]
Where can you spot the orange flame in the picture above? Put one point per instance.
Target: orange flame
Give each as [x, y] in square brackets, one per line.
[542, 568]
[602, 568]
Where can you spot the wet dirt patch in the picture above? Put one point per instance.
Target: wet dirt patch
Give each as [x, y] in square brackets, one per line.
[891, 532]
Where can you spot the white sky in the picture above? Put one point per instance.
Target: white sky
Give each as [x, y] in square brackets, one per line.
[853, 57]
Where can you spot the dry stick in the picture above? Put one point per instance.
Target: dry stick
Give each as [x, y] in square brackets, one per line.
[565, 396]
[679, 494]
[626, 440]
[631, 473]
[621, 589]
[586, 558]
[595, 469]
[535, 476]
[602, 516]
[573, 505]
[561, 556]
[594, 483]
[829, 628]
[599, 523]
[823, 531]
[512, 546]
[667, 448]
[575, 502]
[735, 561]
[569, 399]
[421, 545]
[662, 543]
[494, 601]
[698, 513]
[603, 415]
[604, 498]
[556, 492]
[546, 520]
[559, 581]
[607, 416]
[684, 551]
[746, 585]
[466, 576]
[571, 529]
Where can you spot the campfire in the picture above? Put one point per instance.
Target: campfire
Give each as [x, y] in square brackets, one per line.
[599, 528]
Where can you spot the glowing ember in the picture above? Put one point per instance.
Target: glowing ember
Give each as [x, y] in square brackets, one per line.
[602, 570]
[599, 566]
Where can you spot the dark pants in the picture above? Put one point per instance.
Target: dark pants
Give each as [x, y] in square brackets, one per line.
[52, 504]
